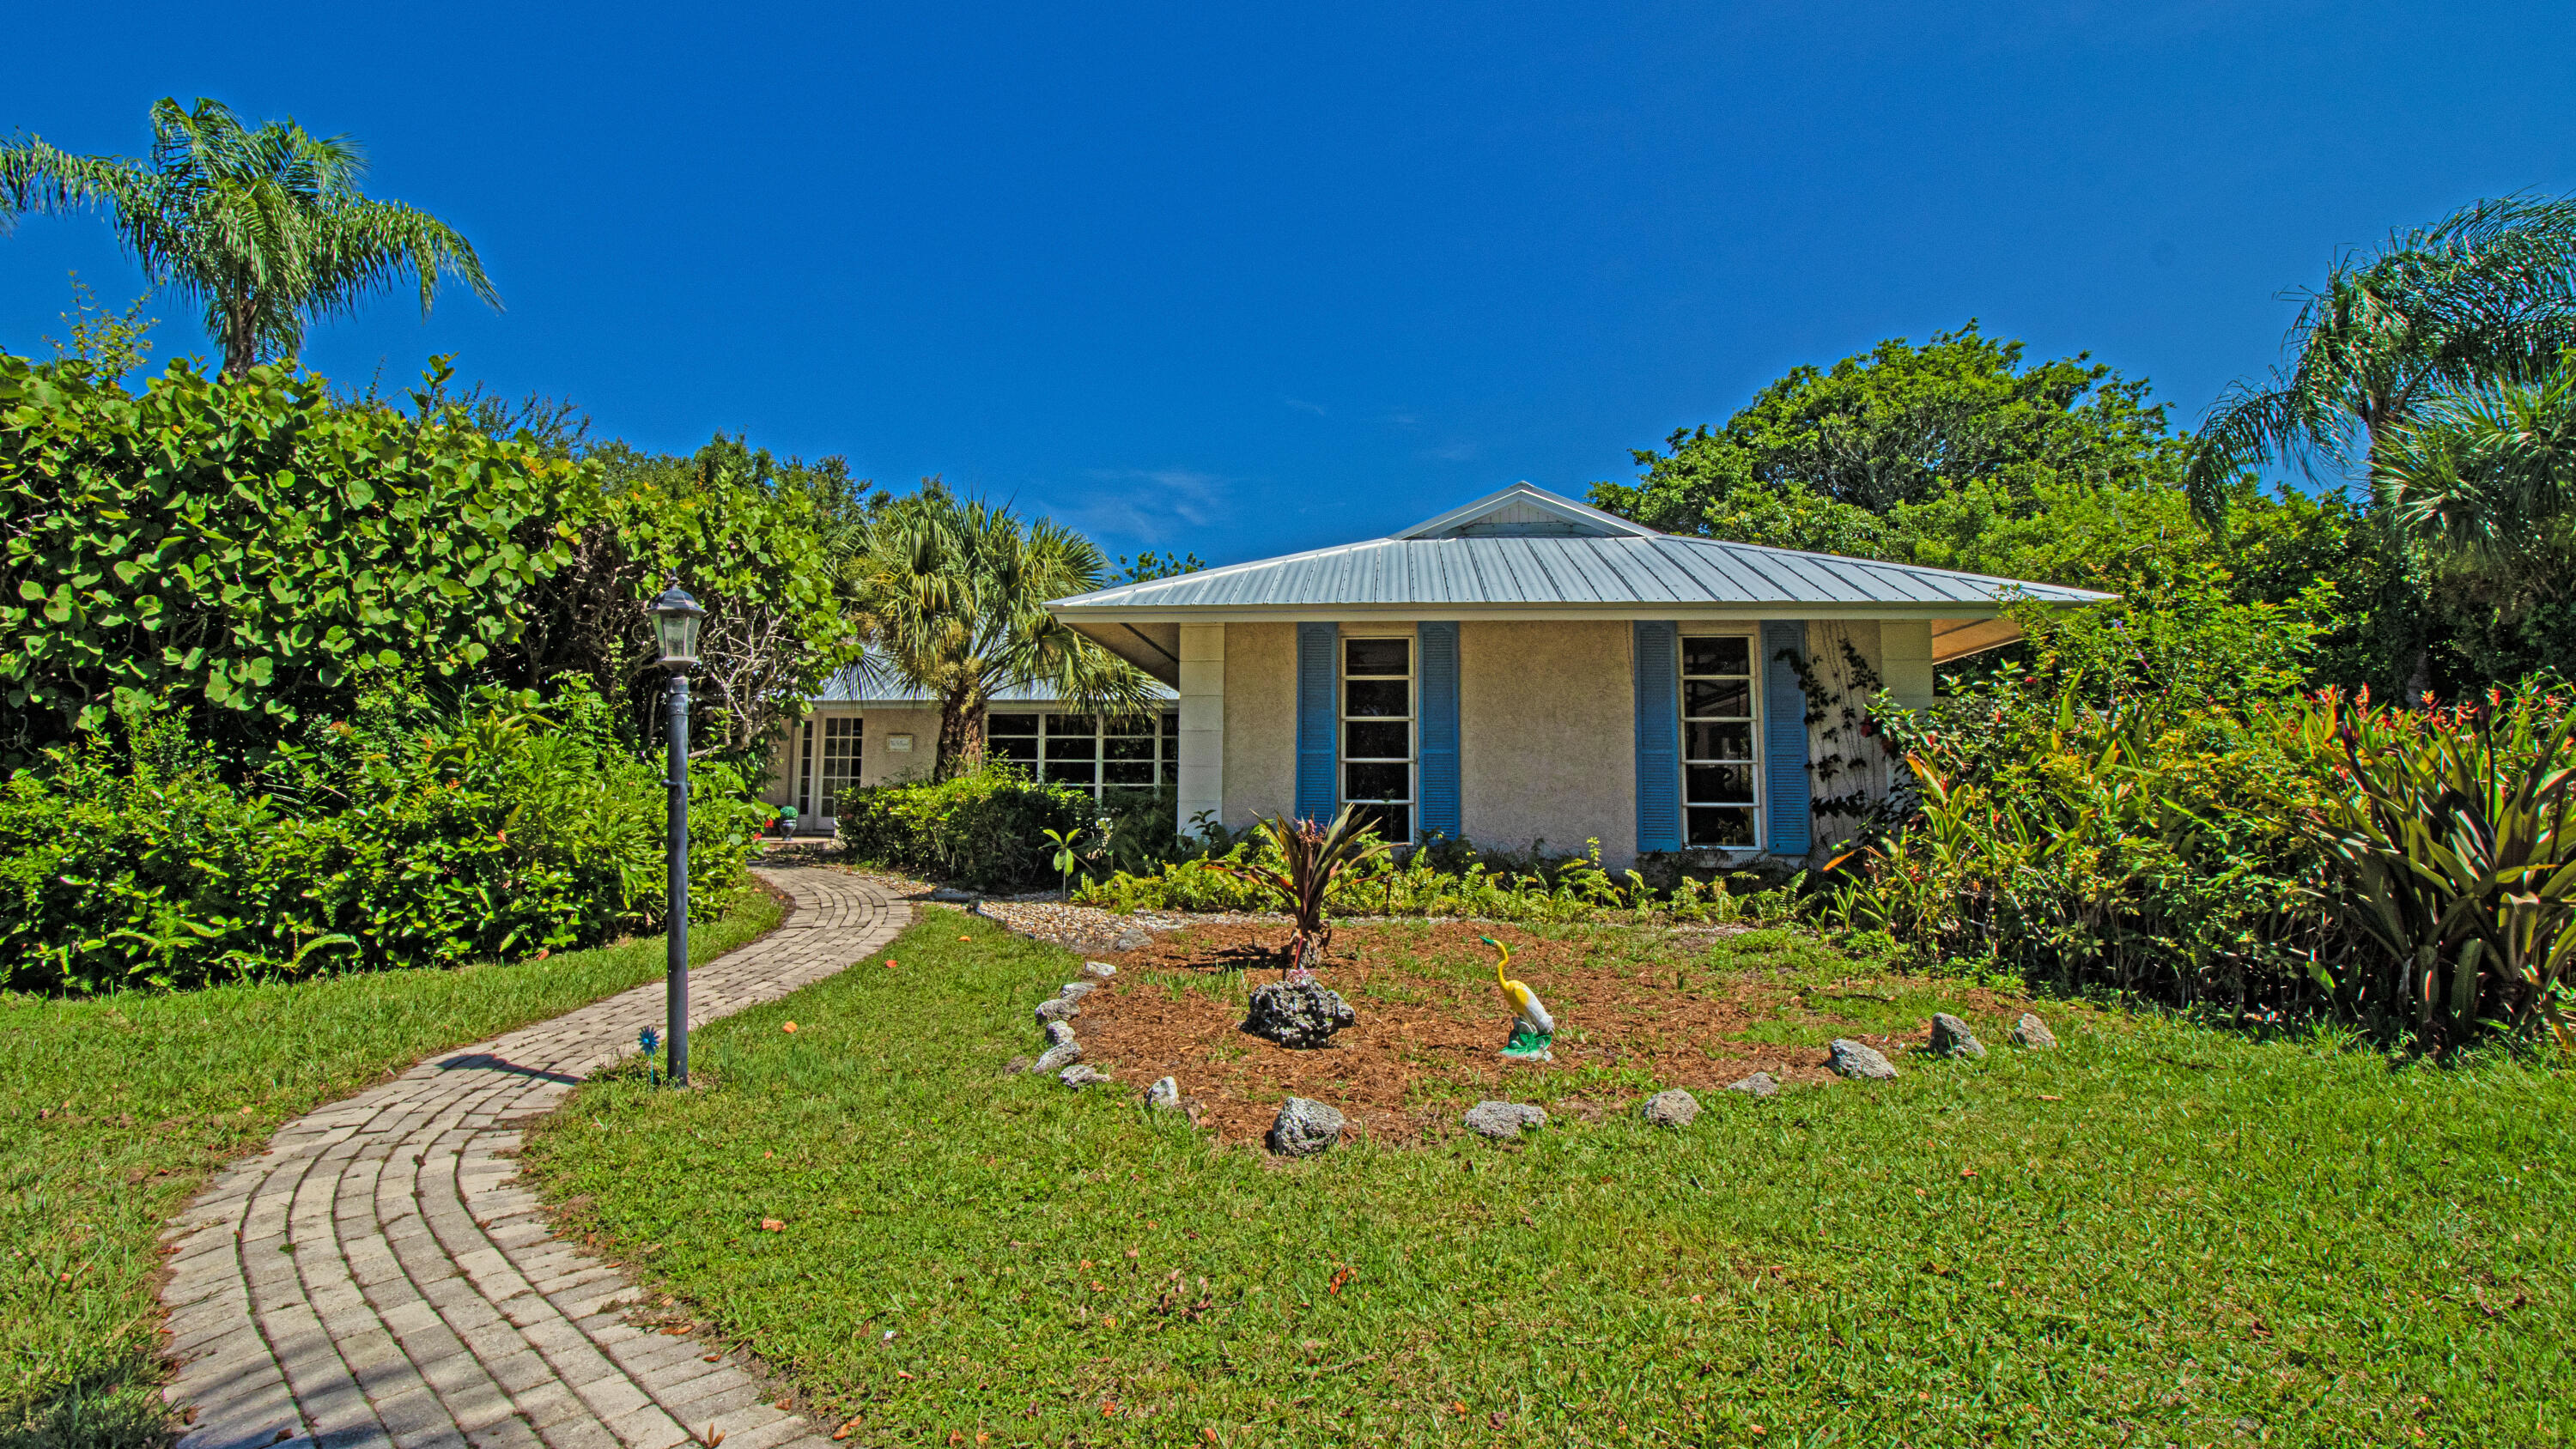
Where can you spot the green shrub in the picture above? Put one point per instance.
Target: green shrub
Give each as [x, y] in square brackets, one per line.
[1450, 879]
[985, 830]
[392, 839]
[2414, 870]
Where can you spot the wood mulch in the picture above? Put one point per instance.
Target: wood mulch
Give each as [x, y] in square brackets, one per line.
[1430, 1024]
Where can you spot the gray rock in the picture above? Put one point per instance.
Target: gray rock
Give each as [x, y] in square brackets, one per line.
[1164, 1095]
[1079, 1075]
[1852, 1059]
[1134, 940]
[1297, 1013]
[1760, 1084]
[1672, 1107]
[1056, 1058]
[1503, 1121]
[1076, 990]
[1056, 1008]
[1101, 969]
[1952, 1038]
[1016, 1065]
[1304, 1128]
[1058, 1033]
[2033, 1033]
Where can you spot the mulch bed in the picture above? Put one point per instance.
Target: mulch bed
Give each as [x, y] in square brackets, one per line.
[1404, 1072]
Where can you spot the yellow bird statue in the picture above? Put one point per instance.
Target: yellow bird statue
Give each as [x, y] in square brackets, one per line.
[1534, 1030]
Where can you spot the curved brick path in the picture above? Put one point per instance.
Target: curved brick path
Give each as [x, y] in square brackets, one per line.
[376, 1279]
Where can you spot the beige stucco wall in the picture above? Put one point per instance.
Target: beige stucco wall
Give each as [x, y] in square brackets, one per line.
[1260, 722]
[1548, 736]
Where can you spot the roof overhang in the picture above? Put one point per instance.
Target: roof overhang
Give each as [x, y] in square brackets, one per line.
[1154, 644]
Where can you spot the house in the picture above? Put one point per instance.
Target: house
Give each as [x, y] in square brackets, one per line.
[855, 734]
[1527, 668]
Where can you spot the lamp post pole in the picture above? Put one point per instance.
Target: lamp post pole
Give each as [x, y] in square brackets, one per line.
[675, 629]
[676, 976]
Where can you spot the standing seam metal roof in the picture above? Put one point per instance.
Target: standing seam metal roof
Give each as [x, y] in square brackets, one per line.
[1506, 570]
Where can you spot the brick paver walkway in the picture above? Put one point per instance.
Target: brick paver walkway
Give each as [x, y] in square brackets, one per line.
[376, 1278]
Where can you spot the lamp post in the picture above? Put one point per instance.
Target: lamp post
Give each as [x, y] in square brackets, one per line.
[675, 628]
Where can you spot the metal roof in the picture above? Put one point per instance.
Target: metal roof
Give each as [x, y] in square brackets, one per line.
[1528, 565]
[851, 686]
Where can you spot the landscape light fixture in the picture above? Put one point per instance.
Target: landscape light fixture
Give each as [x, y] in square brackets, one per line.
[675, 628]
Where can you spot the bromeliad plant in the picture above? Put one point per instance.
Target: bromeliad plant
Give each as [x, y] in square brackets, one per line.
[1311, 858]
[2456, 845]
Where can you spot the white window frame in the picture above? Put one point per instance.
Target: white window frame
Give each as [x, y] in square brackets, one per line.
[827, 800]
[1167, 746]
[1681, 714]
[1412, 722]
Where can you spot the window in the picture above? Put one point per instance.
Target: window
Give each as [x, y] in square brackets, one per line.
[1718, 799]
[1377, 732]
[841, 736]
[805, 773]
[1102, 755]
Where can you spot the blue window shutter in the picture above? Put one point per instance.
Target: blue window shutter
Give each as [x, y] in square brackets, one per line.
[1659, 736]
[1784, 739]
[1318, 718]
[1437, 787]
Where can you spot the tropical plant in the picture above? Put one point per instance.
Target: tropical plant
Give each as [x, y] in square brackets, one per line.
[747, 534]
[955, 591]
[252, 547]
[2487, 294]
[983, 829]
[2456, 848]
[2486, 477]
[1310, 858]
[265, 228]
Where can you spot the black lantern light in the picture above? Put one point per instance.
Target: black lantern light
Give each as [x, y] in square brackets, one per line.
[675, 629]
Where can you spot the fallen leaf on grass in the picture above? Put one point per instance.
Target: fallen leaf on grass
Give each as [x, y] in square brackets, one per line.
[1967, 1172]
[772, 1225]
[789, 1028]
[2045, 1097]
[902, 1374]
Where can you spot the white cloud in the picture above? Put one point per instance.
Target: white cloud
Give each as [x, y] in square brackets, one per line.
[1303, 406]
[1146, 503]
[1450, 452]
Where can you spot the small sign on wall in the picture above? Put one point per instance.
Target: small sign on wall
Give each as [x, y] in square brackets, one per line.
[898, 744]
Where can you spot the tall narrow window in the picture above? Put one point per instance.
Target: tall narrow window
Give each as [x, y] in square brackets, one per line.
[841, 736]
[1717, 742]
[1377, 732]
[805, 774]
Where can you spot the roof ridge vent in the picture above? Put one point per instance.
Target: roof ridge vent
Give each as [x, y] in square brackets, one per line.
[1524, 511]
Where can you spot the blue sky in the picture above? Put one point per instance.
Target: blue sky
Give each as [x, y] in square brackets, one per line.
[1245, 279]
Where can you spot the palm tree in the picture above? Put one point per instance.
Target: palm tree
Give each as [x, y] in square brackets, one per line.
[2486, 295]
[2486, 479]
[954, 593]
[265, 228]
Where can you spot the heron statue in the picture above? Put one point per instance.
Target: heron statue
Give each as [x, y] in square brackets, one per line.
[1533, 1030]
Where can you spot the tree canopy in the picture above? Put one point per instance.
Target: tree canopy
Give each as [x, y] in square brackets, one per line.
[265, 228]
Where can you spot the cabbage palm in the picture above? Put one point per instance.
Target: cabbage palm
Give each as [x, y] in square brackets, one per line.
[265, 228]
[2487, 295]
[2486, 479]
[953, 592]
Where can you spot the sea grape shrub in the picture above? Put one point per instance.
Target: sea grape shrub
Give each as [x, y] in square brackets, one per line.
[246, 547]
[398, 837]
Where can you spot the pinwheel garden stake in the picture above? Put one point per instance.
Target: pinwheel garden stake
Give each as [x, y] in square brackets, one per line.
[1533, 1030]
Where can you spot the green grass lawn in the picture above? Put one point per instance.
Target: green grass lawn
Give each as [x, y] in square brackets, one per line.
[114, 1109]
[2160, 1234]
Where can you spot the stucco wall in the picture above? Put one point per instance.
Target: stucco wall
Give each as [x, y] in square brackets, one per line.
[1260, 721]
[1547, 736]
